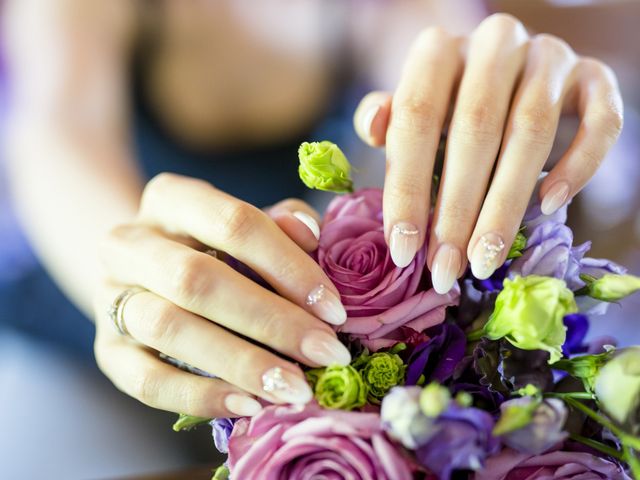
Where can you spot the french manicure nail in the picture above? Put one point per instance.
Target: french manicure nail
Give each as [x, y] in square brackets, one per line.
[403, 243]
[286, 386]
[326, 305]
[242, 405]
[368, 118]
[555, 197]
[324, 349]
[445, 268]
[486, 255]
[309, 222]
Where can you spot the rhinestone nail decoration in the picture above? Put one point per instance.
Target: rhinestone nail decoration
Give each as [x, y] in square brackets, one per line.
[273, 380]
[491, 251]
[405, 231]
[316, 295]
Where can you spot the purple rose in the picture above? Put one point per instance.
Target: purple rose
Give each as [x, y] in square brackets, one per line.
[301, 443]
[461, 440]
[221, 430]
[437, 358]
[378, 296]
[512, 465]
[549, 252]
[545, 429]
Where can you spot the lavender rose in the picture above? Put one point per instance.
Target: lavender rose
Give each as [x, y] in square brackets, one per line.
[511, 465]
[378, 296]
[301, 443]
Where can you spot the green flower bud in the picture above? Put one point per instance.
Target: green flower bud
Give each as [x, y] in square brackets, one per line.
[323, 166]
[585, 367]
[434, 399]
[380, 372]
[187, 422]
[617, 386]
[221, 473]
[518, 245]
[611, 287]
[528, 313]
[338, 387]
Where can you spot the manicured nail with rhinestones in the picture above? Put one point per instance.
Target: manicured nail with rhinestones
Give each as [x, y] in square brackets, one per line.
[242, 405]
[286, 386]
[403, 243]
[445, 267]
[323, 348]
[486, 255]
[309, 222]
[555, 198]
[326, 305]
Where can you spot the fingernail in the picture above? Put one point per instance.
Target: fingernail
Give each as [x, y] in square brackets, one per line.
[326, 305]
[555, 198]
[324, 349]
[368, 118]
[403, 243]
[486, 255]
[286, 386]
[310, 222]
[242, 405]
[445, 268]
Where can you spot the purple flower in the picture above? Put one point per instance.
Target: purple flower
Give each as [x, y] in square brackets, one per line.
[379, 297]
[437, 358]
[577, 327]
[512, 465]
[461, 440]
[549, 253]
[304, 442]
[545, 429]
[221, 430]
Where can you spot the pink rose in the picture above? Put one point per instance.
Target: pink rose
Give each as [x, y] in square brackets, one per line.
[512, 465]
[307, 442]
[378, 296]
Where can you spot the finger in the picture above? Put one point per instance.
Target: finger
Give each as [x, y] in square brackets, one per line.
[496, 55]
[177, 333]
[599, 106]
[528, 139]
[418, 111]
[372, 118]
[209, 288]
[142, 375]
[299, 221]
[216, 219]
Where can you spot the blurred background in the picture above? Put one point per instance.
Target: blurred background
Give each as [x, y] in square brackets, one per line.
[183, 63]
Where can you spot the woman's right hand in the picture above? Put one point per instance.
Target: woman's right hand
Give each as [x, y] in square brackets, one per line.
[199, 310]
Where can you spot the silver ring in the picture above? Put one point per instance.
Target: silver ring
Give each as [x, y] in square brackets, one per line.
[116, 309]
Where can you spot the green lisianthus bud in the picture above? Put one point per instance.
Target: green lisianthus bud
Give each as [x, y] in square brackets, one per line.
[434, 399]
[187, 422]
[518, 245]
[221, 473]
[338, 387]
[529, 312]
[617, 386]
[585, 367]
[323, 166]
[380, 372]
[611, 287]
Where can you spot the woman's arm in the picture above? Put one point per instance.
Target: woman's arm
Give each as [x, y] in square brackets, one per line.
[70, 165]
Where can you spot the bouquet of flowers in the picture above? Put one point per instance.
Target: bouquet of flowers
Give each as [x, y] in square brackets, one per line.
[493, 380]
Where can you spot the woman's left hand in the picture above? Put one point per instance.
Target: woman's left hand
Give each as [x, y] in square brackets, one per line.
[506, 91]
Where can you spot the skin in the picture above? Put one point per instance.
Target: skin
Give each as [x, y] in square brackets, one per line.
[502, 89]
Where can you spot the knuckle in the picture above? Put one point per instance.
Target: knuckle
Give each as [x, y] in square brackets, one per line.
[159, 183]
[432, 35]
[479, 123]
[145, 385]
[190, 279]
[535, 123]
[546, 42]
[415, 117]
[237, 221]
[609, 121]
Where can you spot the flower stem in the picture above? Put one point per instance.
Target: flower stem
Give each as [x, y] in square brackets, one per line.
[475, 335]
[601, 447]
[632, 460]
[576, 395]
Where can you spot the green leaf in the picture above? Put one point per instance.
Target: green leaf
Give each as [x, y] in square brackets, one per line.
[187, 422]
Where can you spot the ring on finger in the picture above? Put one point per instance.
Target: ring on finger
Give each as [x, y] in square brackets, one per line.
[116, 309]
